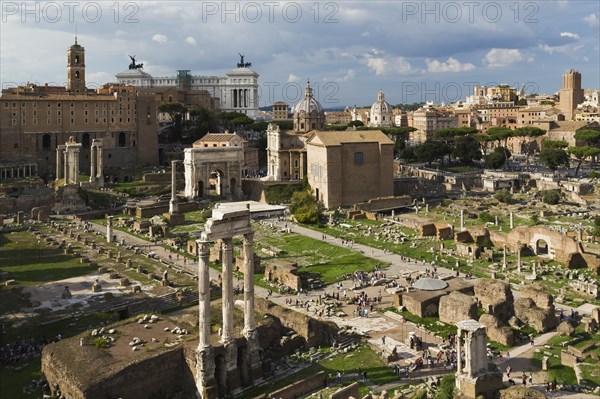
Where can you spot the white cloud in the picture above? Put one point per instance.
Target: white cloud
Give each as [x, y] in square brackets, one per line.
[592, 20]
[569, 34]
[190, 40]
[569, 49]
[97, 79]
[366, 34]
[293, 78]
[349, 75]
[503, 57]
[452, 65]
[383, 64]
[162, 39]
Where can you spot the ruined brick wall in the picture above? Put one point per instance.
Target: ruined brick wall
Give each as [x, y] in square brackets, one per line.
[457, 306]
[170, 374]
[300, 388]
[496, 331]
[314, 331]
[495, 297]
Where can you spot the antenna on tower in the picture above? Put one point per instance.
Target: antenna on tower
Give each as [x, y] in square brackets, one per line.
[75, 33]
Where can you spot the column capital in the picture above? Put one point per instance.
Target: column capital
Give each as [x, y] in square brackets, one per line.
[249, 237]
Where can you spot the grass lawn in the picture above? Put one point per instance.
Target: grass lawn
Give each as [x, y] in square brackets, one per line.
[30, 262]
[562, 374]
[13, 381]
[330, 261]
[364, 358]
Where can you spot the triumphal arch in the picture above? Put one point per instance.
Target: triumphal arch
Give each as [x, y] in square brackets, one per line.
[238, 362]
[213, 166]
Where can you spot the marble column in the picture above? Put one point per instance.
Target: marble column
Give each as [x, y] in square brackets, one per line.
[174, 203]
[511, 220]
[250, 333]
[99, 162]
[204, 294]
[109, 229]
[60, 162]
[462, 220]
[205, 360]
[227, 291]
[93, 163]
[249, 320]
[458, 352]
[504, 257]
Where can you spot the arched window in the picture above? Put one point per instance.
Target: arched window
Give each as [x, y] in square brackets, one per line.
[122, 139]
[77, 74]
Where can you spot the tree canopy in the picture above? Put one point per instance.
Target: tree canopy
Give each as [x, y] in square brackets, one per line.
[553, 158]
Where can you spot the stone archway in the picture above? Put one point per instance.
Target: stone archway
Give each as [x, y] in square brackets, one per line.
[199, 191]
[215, 182]
[542, 247]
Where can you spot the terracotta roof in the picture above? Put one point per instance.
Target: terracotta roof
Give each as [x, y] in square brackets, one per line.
[218, 137]
[348, 136]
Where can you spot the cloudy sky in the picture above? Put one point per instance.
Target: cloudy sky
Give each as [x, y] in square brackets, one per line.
[413, 50]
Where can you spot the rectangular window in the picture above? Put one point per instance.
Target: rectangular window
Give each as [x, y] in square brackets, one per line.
[49, 121]
[359, 158]
[59, 120]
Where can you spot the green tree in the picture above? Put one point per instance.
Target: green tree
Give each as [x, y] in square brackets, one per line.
[399, 135]
[581, 153]
[408, 154]
[551, 197]
[305, 207]
[356, 123]
[553, 158]
[521, 101]
[205, 120]
[432, 151]
[497, 158]
[467, 149]
[175, 111]
[554, 144]
[589, 137]
[529, 132]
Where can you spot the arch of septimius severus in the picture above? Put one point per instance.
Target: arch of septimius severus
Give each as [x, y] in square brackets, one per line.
[237, 363]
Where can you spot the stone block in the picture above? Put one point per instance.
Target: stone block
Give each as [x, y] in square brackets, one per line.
[10, 282]
[136, 288]
[496, 331]
[124, 282]
[457, 306]
[565, 329]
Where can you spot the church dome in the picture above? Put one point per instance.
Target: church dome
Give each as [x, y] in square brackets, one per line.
[308, 104]
[381, 106]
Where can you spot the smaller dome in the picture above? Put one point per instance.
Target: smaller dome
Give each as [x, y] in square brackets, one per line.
[381, 106]
[308, 104]
[430, 284]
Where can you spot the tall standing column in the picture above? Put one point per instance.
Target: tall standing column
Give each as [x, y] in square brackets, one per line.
[204, 294]
[205, 360]
[458, 352]
[173, 204]
[504, 257]
[462, 220]
[511, 220]
[254, 371]
[75, 164]
[249, 320]
[93, 154]
[59, 162]
[99, 161]
[66, 166]
[109, 229]
[227, 291]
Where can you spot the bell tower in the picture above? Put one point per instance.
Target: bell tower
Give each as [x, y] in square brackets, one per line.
[76, 69]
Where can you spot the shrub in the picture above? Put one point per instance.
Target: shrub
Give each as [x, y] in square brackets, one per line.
[503, 195]
[486, 217]
[551, 197]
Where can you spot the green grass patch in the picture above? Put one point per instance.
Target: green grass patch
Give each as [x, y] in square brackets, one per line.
[331, 262]
[363, 359]
[281, 193]
[18, 376]
[28, 261]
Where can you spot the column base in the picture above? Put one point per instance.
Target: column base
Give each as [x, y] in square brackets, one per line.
[205, 371]
[233, 374]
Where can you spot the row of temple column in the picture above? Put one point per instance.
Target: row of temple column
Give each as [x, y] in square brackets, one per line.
[240, 98]
[67, 161]
[206, 360]
[18, 171]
